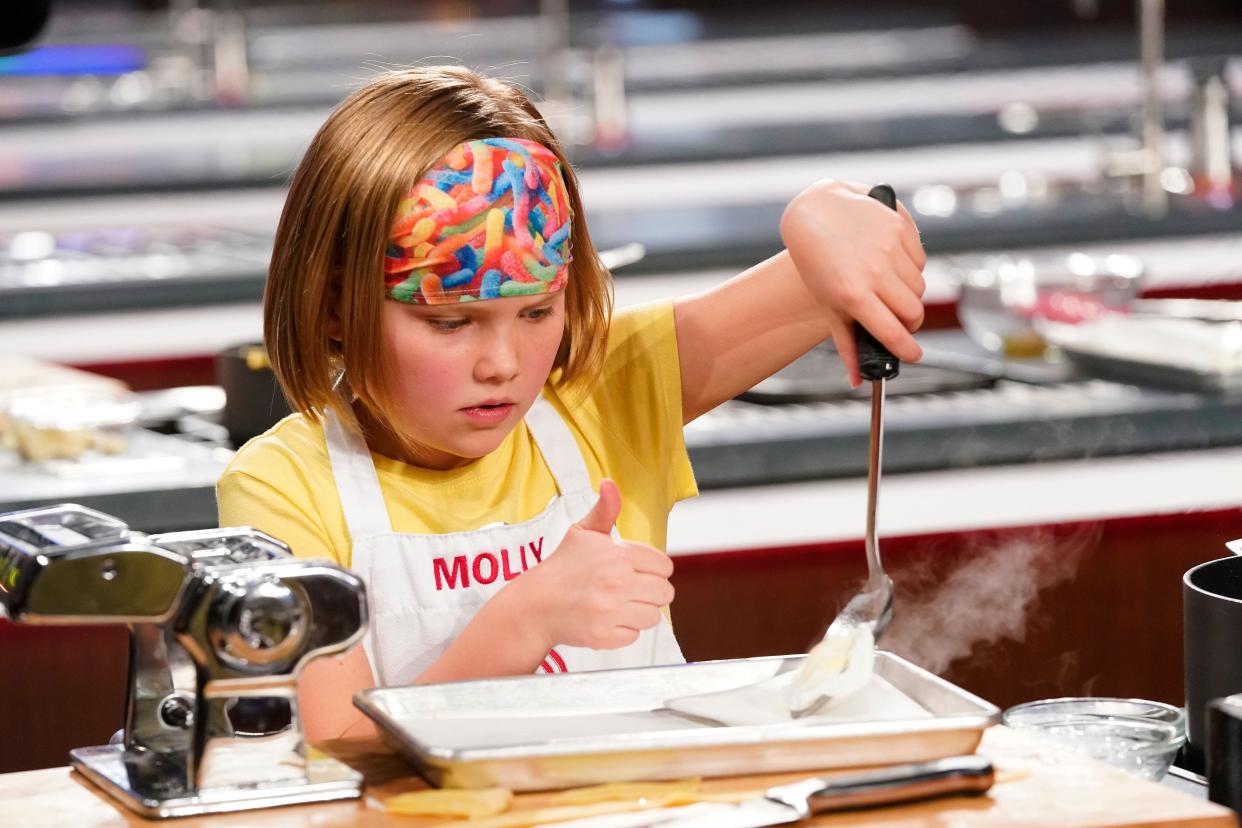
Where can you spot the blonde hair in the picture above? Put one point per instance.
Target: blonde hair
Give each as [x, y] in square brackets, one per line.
[334, 230]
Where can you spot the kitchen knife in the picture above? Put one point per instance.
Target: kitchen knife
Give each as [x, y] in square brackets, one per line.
[797, 801]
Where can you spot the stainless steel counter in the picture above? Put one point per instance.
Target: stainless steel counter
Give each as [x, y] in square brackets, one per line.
[207, 149]
[1030, 418]
[160, 484]
[171, 318]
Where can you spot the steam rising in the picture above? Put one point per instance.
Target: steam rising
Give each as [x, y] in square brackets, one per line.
[984, 599]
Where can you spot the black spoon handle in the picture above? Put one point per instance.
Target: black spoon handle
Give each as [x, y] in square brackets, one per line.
[874, 360]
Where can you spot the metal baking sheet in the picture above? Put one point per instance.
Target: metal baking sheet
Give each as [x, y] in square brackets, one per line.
[1154, 374]
[546, 732]
[1172, 353]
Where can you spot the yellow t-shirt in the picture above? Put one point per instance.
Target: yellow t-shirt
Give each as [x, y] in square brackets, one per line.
[627, 425]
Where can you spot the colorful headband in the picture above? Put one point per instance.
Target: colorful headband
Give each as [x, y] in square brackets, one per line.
[491, 219]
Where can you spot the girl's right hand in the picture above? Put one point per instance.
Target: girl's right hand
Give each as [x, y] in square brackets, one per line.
[598, 591]
[861, 261]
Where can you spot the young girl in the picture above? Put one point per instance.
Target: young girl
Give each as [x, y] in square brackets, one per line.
[479, 437]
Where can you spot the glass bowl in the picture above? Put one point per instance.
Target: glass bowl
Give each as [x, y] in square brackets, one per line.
[1138, 736]
[1003, 298]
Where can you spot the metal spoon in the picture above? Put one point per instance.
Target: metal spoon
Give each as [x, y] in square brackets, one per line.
[872, 607]
[865, 616]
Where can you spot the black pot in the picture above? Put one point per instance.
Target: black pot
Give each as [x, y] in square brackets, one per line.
[1223, 732]
[1212, 614]
[253, 401]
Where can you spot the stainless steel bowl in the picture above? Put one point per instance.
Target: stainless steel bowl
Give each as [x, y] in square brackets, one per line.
[1002, 297]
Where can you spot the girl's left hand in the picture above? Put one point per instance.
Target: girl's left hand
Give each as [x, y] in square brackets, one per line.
[861, 261]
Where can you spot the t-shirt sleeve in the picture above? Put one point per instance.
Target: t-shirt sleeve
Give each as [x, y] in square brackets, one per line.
[269, 503]
[640, 389]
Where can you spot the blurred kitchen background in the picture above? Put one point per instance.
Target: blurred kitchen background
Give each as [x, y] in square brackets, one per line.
[1072, 442]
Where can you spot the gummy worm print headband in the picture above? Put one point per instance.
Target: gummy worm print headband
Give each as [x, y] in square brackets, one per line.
[491, 219]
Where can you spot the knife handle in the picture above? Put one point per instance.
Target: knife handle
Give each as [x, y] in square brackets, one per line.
[901, 783]
[874, 360]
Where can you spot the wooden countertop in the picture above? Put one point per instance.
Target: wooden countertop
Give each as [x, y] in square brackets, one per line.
[1046, 787]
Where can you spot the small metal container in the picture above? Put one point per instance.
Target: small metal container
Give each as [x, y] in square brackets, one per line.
[546, 732]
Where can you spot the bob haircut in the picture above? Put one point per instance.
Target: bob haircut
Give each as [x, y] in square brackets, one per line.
[338, 215]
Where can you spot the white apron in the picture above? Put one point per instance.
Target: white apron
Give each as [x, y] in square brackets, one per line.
[424, 589]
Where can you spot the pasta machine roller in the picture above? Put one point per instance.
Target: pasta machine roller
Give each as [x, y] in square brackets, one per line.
[221, 621]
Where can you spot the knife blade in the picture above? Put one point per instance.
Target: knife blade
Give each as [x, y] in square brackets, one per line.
[799, 800]
[645, 818]
[750, 814]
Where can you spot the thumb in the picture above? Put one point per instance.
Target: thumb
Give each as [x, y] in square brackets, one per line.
[604, 513]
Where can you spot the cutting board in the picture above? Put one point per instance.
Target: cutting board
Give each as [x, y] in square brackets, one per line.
[1046, 787]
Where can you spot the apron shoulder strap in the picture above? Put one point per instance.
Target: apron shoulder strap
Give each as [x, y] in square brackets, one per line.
[357, 483]
[556, 444]
[358, 486]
